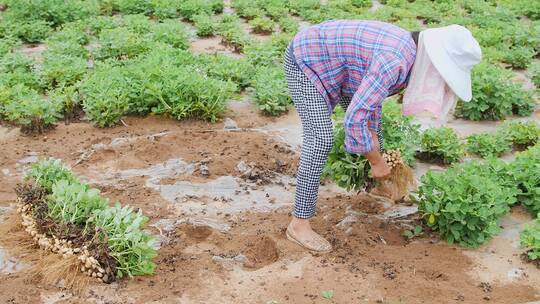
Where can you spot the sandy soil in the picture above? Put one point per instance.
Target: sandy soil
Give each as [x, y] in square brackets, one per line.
[230, 248]
[211, 45]
[219, 200]
[34, 51]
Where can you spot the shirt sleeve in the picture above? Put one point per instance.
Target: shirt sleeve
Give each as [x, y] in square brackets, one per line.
[364, 112]
[375, 118]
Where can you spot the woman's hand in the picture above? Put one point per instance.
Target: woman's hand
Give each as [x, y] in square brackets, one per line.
[380, 169]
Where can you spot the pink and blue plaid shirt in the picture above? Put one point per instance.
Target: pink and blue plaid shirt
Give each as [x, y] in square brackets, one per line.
[366, 61]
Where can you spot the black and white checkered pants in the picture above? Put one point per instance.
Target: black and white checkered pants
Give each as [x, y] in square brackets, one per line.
[317, 136]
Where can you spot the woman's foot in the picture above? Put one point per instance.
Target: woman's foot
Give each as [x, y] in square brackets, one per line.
[300, 232]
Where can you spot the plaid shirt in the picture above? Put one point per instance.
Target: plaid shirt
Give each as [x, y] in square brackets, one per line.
[366, 61]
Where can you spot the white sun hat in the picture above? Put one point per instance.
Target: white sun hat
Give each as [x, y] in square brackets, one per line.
[453, 51]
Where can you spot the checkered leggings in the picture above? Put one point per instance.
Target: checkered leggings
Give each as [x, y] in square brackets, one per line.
[317, 136]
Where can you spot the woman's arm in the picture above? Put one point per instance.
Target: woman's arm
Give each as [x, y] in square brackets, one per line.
[363, 115]
[366, 140]
[358, 125]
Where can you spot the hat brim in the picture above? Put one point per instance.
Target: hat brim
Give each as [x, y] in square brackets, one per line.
[457, 79]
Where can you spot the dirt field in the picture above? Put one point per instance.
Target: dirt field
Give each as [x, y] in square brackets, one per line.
[218, 201]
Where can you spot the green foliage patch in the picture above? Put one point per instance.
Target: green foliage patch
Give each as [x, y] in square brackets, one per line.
[288, 24]
[262, 25]
[489, 144]
[120, 43]
[34, 20]
[48, 172]
[267, 53]
[170, 32]
[8, 44]
[26, 107]
[62, 70]
[190, 8]
[230, 28]
[465, 203]
[136, 35]
[347, 170]
[271, 91]
[522, 134]
[164, 9]
[130, 6]
[165, 81]
[525, 171]
[15, 62]
[247, 9]
[204, 25]
[519, 57]
[535, 74]
[73, 202]
[441, 145]
[530, 239]
[73, 32]
[495, 96]
[227, 68]
[130, 246]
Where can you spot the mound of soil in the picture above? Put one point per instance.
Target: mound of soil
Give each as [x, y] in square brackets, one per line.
[367, 204]
[261, 252]
[197, 233]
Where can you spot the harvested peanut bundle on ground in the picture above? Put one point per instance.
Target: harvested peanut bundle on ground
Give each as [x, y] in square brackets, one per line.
[72, 220]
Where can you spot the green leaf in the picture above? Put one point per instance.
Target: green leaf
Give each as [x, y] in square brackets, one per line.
[327, 294]
[408, 233]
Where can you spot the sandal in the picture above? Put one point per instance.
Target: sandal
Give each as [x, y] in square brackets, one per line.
[318, 243]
